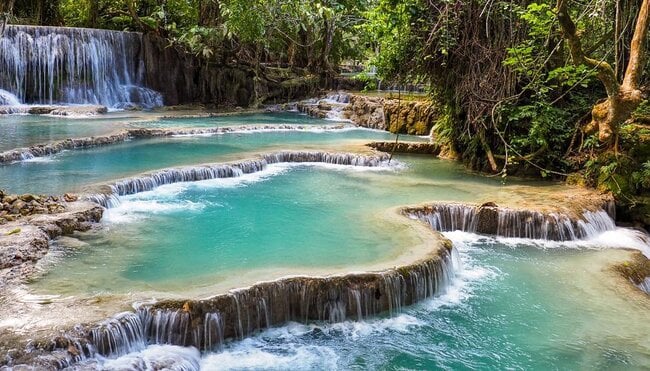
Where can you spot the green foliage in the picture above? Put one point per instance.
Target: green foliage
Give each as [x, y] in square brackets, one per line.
[642, 112]
[392, 28]
[369, 80]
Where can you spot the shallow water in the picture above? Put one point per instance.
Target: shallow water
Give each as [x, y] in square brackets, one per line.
[516, 304]
[74, 169]
[521, 308]
[26, 130]
[512, 306]
[279, 118]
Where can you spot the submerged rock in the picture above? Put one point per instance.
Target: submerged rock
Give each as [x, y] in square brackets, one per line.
[637, 271]
[406, 147]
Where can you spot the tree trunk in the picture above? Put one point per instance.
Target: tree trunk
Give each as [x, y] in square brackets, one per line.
[328, 39]
[133, 11]
[6, 10]
[93, 14]
[209, 13]
[622, 99]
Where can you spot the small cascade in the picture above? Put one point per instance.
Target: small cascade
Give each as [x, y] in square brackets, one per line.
[207, 324]
[8, 99]
[42, 150]
[218, 171]
[645, 285]
[331, 107]
[57, 65]
[119, 335]
[505, 222]
[338, 97]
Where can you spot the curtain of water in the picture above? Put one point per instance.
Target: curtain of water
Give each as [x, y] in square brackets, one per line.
[54, 65]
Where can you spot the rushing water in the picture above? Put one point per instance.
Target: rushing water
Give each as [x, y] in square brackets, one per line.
[515, 303]
[512, 306]
[520, 308]
[48, 65]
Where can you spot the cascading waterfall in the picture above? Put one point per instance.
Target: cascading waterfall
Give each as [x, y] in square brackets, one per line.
[338, 102]
[217, 171]
[505, 222]
[330, 107]
[8, 99]
[56, 65]
[206, 324]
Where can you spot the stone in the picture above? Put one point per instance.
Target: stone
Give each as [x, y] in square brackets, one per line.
[9, 199]
[27, 197]
[69, 197]
[17, 206]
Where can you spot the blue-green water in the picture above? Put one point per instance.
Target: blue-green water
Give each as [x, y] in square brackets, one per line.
[72, 170]
[520, 308]
[279, 118]
[524, 305]
[289, 216]
[24, 131]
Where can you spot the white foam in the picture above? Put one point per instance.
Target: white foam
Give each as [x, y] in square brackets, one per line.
[281, 128]
[156, 357]
[43, 159]
[8, 99]
[248, 354]
[130, 210]
[619, 238]
[168, 198]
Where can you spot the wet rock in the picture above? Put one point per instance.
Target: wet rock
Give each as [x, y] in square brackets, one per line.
[27, 197]
[406, 147]
[488, 219]
[17, 206]
[68, 197]
[9, 199]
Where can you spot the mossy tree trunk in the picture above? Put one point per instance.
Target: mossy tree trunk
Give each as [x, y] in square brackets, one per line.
[209, 13]
[622, 97]
[6, 9]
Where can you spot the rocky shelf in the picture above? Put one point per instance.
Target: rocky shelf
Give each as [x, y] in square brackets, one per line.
[25, 241]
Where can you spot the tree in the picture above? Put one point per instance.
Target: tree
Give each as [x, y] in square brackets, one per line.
[622, 97]
[6, 8]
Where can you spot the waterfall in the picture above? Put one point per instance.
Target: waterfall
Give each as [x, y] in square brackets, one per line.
[206, 324]
[57, 65]
[645, 285]
[331, 107]
[8, 99]
[505, 222]
[197, 173]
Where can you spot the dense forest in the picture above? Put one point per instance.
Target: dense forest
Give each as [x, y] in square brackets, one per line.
[547, 88]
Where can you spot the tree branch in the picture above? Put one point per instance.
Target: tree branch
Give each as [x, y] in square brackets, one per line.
[634, 70]
[604, 70]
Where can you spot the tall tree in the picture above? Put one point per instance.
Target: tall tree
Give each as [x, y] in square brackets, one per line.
[622, 97]
[6, 9]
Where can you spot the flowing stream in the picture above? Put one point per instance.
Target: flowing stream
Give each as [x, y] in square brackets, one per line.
[514, 301]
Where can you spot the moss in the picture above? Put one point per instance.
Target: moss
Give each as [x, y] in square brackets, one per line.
[636, 269]
[13, 231]
[576, 179]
